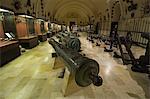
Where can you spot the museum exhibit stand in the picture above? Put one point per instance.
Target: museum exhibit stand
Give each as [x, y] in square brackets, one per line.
[26, 31]
[9, 46]
[49, 33]
[40, 30]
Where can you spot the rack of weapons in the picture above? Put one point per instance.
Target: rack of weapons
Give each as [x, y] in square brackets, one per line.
[136, 27]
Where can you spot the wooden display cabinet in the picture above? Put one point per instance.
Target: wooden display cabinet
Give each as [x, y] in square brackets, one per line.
[40, 30]
[9, 49]
[26, 32]
[1, 30]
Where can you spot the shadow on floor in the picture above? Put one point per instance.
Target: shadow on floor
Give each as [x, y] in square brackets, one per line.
[142, 80]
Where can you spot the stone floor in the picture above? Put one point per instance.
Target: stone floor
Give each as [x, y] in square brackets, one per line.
[31, 76]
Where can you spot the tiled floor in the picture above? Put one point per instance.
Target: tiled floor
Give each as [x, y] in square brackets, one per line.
[31, 76]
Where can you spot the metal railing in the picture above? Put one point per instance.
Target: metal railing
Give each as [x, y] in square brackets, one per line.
[136, 27]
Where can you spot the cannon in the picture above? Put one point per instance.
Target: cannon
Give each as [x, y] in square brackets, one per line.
[143, 64]
[84, 70]
[70, 41]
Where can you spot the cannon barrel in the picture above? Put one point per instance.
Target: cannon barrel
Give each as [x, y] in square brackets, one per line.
[70, 41]
[85, 70]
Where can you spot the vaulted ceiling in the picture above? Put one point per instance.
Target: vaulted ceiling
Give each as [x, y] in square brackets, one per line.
[80, 10]
[58, 9]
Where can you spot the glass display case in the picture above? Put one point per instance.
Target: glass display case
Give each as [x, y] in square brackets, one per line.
[30, 23]
[40, 30]
[1, 27]
[26, 31]
[55, 28]
[9, 46]
[46, 26]
[8, 25]
[48, 29]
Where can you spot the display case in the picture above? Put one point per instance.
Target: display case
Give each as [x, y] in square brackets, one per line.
[26, 31]
[49, 33]
[1, 27]
[9, 46]
[9, 25]
[40, 30]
